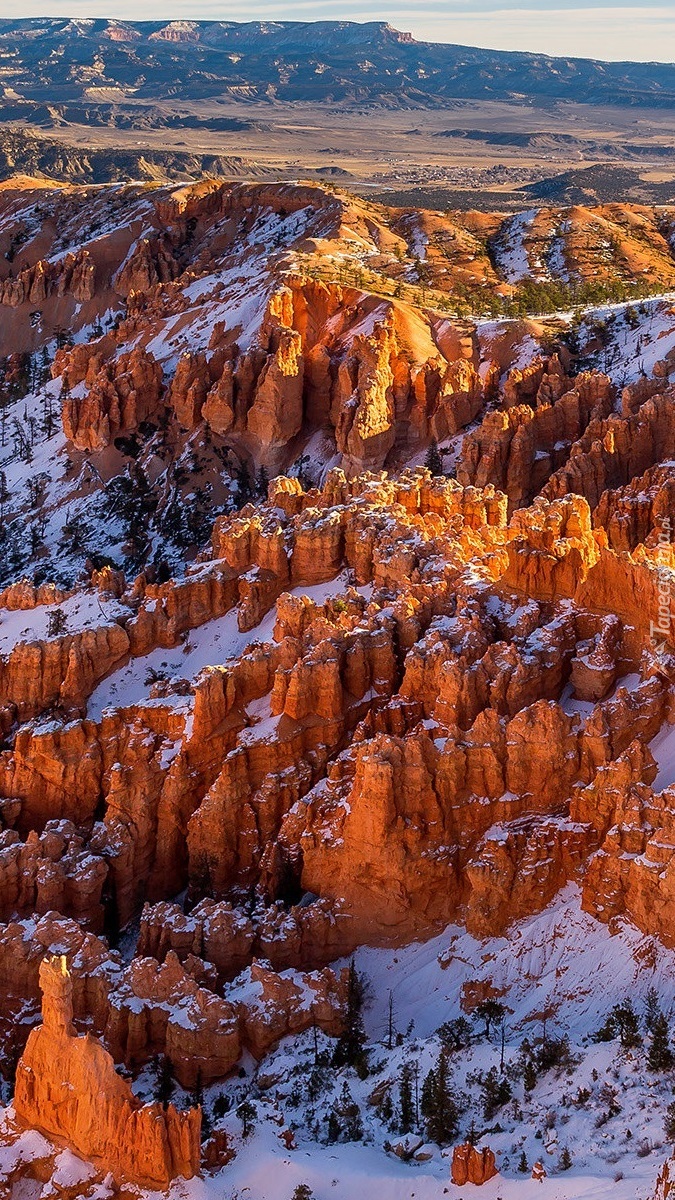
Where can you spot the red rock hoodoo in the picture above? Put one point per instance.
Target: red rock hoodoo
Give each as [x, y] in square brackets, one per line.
[67, 1086]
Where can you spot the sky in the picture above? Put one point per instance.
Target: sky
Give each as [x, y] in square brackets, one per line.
[609, 29]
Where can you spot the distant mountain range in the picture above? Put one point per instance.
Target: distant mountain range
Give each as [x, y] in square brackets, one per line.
[50, 64]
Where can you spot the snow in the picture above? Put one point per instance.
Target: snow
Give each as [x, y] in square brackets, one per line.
[71, 1171]
[215, 643]
[561, 963]
[511, 253]
[84, 610]
[555, 258]
[584, 708]
[663, 749]
[641, 333]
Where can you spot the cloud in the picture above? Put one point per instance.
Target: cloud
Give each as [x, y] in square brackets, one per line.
[609, 29]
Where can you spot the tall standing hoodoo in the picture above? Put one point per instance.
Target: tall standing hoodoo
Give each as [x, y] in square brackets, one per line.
[67, 1086]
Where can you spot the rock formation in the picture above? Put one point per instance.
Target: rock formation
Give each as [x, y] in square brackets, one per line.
[67, 1086]
[265, 721]
[470, 1165]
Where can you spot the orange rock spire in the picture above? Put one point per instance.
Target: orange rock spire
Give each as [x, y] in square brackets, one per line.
[67, 1086]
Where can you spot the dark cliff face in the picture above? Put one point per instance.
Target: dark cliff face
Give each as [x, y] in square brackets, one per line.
[50, 61]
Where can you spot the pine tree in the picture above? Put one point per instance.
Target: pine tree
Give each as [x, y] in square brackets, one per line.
[334, 1127]
[164, 1081]
[438, 1104]
[262, 481]
[433, 459]
[303, 1192]
[565, 1160]
[350, 1047]
[490, 1012]
[56, 622]
[455, 1034]
[406, 1105]
[652, 1009]
[428, 1093]
[247, 1114]
[522, 1164]
[347, 1124]
[628, 1025]
[242, 478]
[4, 494]
[669, 1122]
[496, 1093]
[660, 1055]
[529, 1076]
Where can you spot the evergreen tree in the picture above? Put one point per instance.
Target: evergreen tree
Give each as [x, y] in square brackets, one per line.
[565, 1160]
[522, 1164]
[262, 481]
[317, 1082]
[438, 1104]
[334, 1127]
[652, 1009]
[164, 1081]
[628, 1025]
[4, 494]
[553, 1052]
[428, 1094]
[390, 1022]
[660, 1055]
[529, 1076]
[56, 622]
[622, 1020]
[197, 1100]
[347, 1125]
[496, 1093]
[490, 1012]
[406, 1104]
[433, 459]
[350, 1047]
[669, 1122]
[242, 477]
[247, 1114]
[455, 1034]
[299, 469]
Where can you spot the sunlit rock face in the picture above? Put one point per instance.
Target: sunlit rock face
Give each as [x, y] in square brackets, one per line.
[67, 1086]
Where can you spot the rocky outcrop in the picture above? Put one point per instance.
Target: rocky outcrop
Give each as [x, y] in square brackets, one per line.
[125, 392]
[302, 935]
[517, 449]
[641, 512]
[151, 262]
[74, 274]
[551, 548]
[51, 872]
[665, 1183]
[67, 1086]
[63, 670]
[470, 1165]
[633, 870]
[616, 449]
